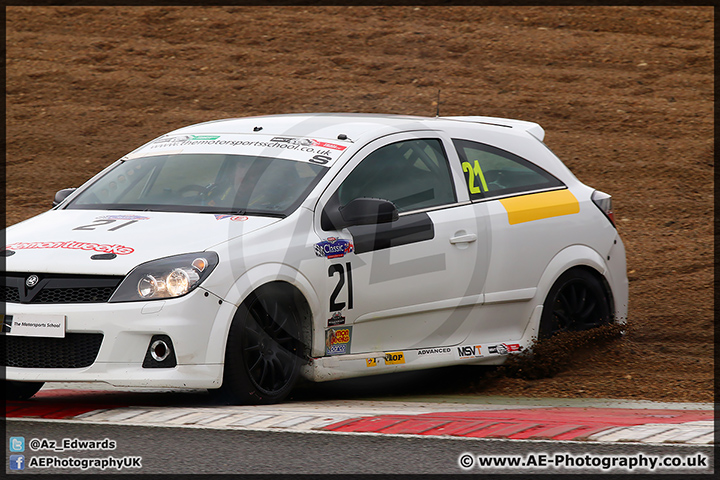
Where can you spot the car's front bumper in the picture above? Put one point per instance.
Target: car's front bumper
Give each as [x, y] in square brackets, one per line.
[196, 324]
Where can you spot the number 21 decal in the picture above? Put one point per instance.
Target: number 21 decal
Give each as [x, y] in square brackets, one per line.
[340, 269]
[474, 171]
[104, 221]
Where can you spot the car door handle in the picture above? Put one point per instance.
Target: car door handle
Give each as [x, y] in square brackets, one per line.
[468, 238]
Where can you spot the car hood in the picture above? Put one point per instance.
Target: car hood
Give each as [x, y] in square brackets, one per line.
[65, 241]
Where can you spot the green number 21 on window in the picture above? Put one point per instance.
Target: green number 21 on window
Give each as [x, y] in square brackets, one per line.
[472, 172]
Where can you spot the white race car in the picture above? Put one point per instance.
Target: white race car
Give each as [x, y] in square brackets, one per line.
[238, 255]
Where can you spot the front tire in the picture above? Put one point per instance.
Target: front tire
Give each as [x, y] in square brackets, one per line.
[21, 390]
[264, 350]
[577, 301]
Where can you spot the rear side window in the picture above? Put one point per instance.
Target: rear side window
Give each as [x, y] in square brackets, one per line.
[492, 172]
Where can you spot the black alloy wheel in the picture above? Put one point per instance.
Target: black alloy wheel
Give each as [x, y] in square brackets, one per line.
[270, 346]
[264, 351]
[576, 302]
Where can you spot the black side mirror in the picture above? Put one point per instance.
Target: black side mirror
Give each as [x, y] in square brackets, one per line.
[62, 195]
[369, 211]
[360, 211]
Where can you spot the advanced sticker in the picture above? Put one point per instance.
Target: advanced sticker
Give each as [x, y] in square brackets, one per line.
[434, 351]
[333, 248]
[338, 340]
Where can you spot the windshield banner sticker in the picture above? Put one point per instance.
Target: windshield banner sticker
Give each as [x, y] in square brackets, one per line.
[333, 248]
[284, 147]
[104, 248]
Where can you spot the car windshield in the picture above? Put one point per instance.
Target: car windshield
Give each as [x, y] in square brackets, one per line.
[203, 183]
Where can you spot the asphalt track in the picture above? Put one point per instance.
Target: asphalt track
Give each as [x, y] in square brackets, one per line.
[173, 450]
[407, 425]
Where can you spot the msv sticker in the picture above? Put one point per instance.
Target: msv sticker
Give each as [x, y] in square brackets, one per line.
[469, 351]
[337, 341]
[333, 248]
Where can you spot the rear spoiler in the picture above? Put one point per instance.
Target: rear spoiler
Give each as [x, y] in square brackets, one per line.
[532, 128]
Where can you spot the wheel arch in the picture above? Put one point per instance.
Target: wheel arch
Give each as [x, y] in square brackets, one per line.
[287, 290]
[574, 257]
[267, 276]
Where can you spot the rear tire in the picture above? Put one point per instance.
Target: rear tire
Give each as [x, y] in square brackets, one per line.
[264, 350]
[577, 301]
[21, 390]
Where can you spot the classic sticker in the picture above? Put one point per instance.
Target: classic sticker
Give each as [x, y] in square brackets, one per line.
[104, 248]
[338, 340]
[394, 358]
[469, 351]
[333, 248]
[504, 348]
[371, 362]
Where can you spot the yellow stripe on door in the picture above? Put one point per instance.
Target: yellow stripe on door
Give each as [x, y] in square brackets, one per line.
[537, 206]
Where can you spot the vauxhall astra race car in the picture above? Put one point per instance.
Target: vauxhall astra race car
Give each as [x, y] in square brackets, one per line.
[239, 255]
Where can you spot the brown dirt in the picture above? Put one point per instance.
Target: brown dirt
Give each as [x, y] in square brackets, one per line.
[625, 95]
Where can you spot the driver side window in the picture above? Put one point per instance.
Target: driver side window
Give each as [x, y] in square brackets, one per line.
[413, 174]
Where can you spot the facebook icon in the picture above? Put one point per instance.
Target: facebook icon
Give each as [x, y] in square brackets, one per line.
[17, 462]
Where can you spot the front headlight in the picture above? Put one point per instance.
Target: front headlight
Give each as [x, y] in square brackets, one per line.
[167, 277]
